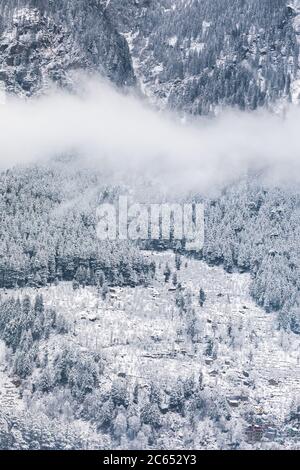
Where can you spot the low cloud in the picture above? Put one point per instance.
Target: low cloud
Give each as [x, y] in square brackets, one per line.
[121, 133]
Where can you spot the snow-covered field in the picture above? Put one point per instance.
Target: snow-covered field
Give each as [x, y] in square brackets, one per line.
[140, 333]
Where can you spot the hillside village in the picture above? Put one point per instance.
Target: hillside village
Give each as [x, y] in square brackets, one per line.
[228, 346]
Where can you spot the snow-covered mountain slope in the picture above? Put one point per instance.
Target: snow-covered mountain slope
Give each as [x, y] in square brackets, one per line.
[227, 353]
[199, 55]
[42, 43]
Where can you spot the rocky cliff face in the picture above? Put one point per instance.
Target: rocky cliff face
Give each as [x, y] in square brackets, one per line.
[45, 42]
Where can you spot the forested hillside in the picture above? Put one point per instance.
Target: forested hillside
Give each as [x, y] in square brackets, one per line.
[145, 344]
[147, 368]
[256, 228]
[197, 55]
[48, 231]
